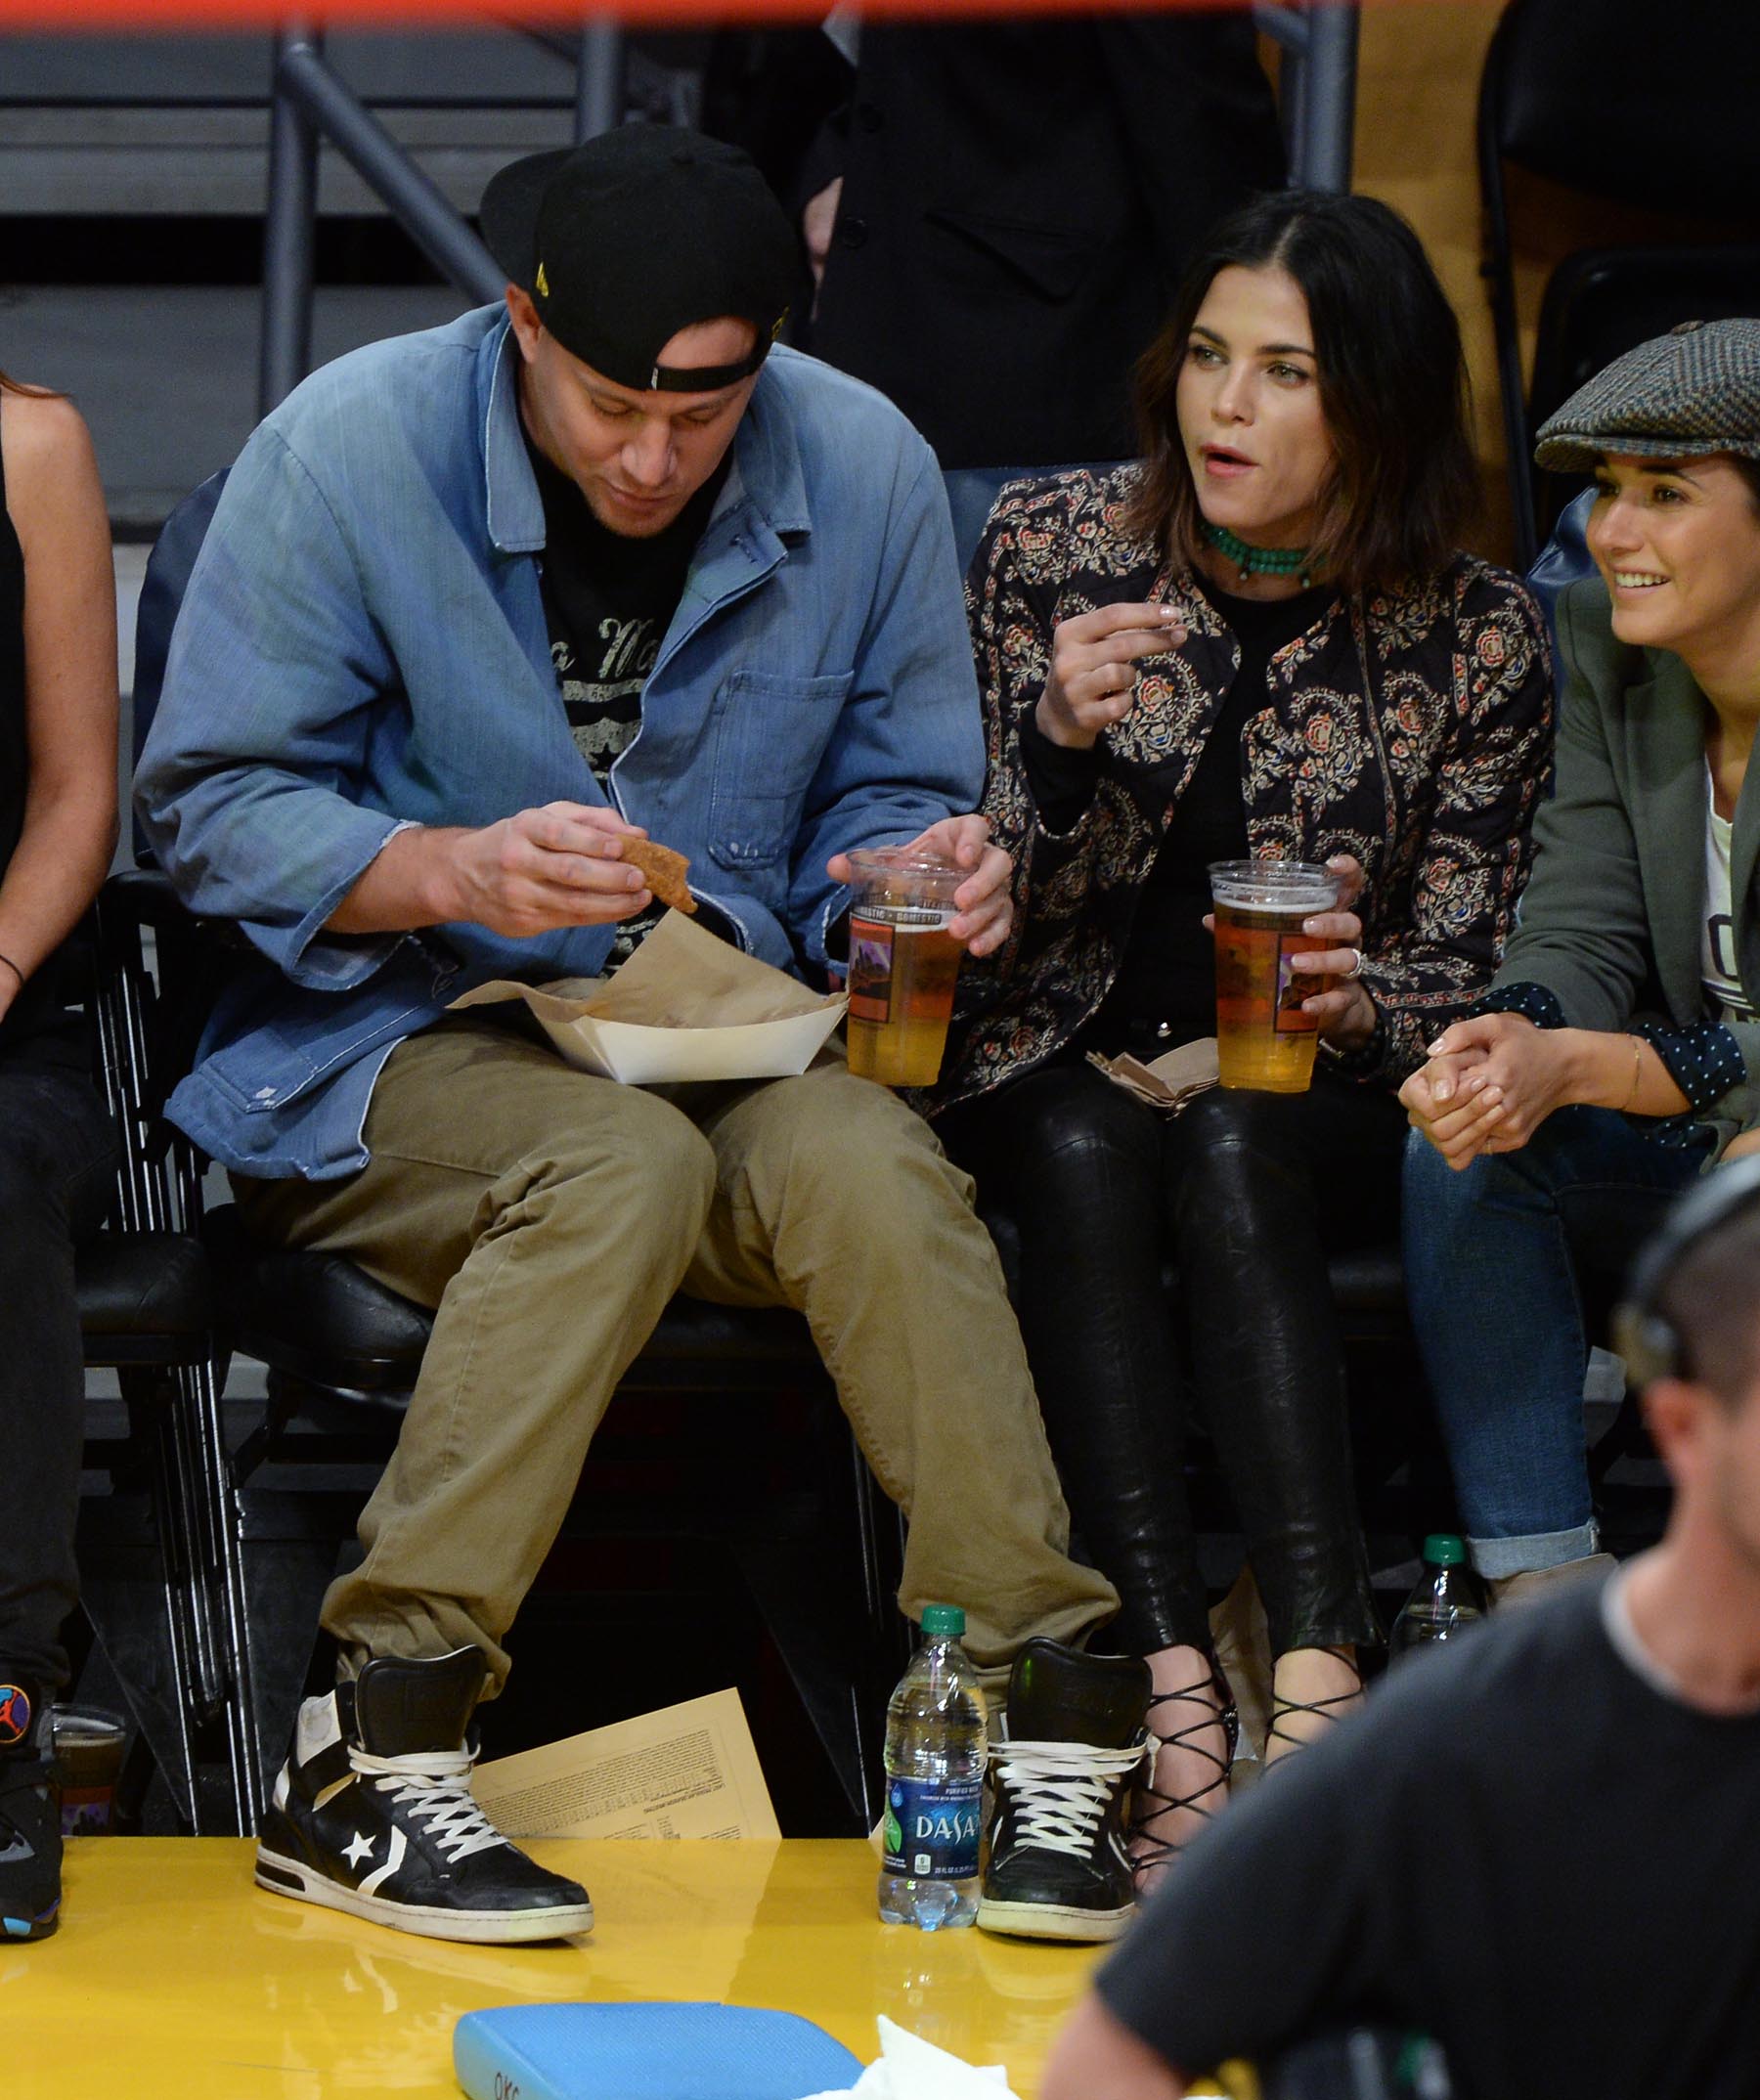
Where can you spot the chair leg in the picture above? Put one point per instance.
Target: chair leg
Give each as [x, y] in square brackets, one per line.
[169, 1722]
[195, 1511]
[226, 1614]
[879, 1527]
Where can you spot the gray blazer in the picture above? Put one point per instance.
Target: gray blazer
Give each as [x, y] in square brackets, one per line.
[1609, 922]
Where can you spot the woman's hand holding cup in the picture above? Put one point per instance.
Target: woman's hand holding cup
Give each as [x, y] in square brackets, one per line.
[1343, 1009]
[1091, 682]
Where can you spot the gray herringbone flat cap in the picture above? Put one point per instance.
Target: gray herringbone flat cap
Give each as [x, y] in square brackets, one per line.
[1685, 394]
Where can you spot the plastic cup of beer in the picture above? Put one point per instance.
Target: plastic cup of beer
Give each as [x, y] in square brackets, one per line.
[89, 1743]
[902, 964]
[1264, 1039]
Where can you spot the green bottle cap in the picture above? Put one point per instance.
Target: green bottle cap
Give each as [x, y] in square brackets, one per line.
[944, 1619]
[1442, 1549]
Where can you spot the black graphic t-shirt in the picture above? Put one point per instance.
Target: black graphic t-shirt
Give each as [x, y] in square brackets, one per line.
[608, 601]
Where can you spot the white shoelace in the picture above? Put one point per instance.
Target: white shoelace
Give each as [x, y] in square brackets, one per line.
[436, 1786]
[1059, 1790]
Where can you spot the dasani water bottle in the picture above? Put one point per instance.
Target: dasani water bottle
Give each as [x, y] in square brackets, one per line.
[934, 1782]
[1449, 1598]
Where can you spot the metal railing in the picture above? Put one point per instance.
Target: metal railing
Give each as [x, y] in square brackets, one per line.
[1319, 46]
[313, 104]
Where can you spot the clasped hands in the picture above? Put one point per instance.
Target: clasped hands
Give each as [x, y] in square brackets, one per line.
[1490, 1083]
[562, 865]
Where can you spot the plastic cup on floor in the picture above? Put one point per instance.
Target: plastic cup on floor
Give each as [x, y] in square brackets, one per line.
[89, 1744]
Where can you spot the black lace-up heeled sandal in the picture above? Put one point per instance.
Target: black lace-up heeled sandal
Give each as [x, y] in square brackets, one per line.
[1330, 1711]
[1215, 1707]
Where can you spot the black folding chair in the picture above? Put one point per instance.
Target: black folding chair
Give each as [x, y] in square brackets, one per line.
[1571, 93]
[150, 1312]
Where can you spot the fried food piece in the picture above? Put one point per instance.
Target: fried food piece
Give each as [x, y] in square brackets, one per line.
[663, 870]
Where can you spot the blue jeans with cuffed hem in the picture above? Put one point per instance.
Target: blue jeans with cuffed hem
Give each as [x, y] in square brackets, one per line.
[1496, 1259]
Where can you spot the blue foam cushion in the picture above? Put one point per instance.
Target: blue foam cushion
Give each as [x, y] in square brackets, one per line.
[646, 2052]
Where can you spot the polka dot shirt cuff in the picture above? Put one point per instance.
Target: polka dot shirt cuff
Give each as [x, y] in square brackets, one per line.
[1533, 1002]
[1704, 1060]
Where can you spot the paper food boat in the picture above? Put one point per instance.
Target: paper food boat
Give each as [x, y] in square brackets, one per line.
[685, 1006]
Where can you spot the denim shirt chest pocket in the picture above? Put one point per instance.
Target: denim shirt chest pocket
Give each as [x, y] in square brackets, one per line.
[770, 734]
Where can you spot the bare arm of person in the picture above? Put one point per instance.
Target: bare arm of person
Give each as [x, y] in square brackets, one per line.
[55, 501]
[1097, 2057]
[530, 873]
[819, 221]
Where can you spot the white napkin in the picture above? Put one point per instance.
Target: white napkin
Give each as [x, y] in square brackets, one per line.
[913, 2069]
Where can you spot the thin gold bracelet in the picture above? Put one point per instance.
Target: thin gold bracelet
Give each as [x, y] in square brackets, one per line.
[1637, 1043]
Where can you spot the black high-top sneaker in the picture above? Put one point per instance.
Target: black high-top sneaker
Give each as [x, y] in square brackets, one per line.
[372, 1814]
[31, 1838]
[1063, 1761]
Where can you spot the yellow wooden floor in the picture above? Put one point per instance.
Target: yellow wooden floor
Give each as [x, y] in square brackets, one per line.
[172, 1973]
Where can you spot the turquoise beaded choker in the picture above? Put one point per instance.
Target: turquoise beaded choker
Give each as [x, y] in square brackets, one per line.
[1258, 560]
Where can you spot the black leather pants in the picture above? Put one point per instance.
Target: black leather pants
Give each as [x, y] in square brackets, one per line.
[1170, 1268]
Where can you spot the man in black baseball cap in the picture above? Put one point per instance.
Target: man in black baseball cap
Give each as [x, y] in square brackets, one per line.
[480, 609]
[649, 272]
[621, 244]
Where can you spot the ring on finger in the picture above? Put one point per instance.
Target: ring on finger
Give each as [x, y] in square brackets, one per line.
[1356, 964]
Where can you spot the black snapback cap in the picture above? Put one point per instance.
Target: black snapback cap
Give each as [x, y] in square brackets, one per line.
[639, 232]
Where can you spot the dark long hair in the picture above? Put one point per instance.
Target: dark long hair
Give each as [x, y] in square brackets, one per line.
[1392, 388]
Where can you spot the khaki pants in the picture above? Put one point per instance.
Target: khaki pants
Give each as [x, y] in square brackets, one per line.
[548, 1216]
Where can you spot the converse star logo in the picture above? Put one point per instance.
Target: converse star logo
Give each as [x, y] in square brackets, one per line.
[361, 1849]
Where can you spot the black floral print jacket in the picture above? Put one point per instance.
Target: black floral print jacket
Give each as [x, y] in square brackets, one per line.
[1411, 729]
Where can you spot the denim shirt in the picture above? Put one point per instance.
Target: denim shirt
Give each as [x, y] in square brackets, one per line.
[363, 646]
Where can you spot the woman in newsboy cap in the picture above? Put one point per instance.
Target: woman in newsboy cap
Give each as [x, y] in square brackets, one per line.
[1618, 1055]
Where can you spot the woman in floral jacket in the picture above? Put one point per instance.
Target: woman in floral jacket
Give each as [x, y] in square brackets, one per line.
[1257, 640]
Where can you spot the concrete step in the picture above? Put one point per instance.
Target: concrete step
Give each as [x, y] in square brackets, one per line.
[166, 374]
[126, 125]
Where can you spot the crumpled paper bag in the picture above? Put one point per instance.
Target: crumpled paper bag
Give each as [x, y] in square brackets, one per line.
[1170, 1080]
[909, 2068]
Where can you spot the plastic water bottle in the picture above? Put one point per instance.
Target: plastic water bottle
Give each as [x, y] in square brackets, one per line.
[1448, 1599]
[934, 1782]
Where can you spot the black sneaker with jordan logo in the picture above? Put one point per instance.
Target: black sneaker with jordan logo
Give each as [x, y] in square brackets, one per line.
[372, 1814]
[1064, 1758]
[30, 1837]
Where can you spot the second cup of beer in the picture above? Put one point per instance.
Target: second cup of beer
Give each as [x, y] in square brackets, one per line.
[1264, 1039]
[902, 964]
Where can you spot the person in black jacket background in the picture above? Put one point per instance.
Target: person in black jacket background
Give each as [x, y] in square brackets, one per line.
[1002, 210]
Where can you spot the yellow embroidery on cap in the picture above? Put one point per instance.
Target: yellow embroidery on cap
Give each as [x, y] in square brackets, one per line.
[542, 282]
